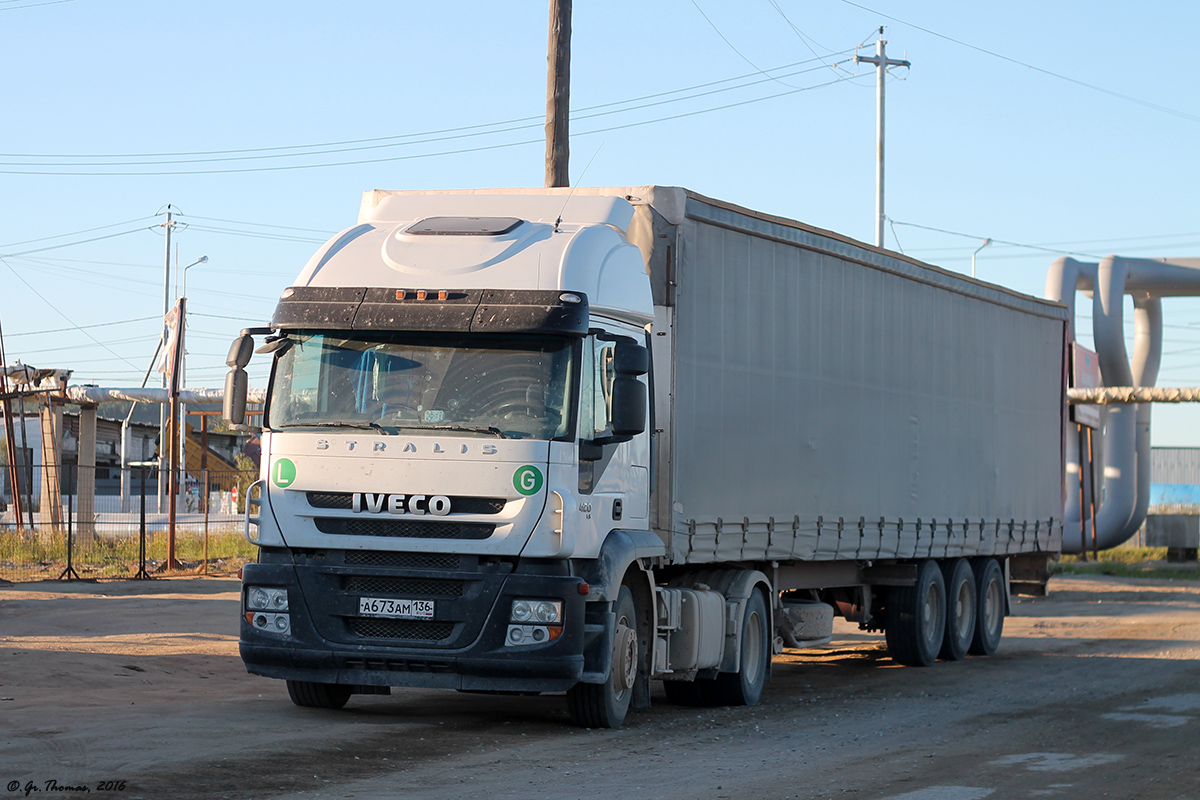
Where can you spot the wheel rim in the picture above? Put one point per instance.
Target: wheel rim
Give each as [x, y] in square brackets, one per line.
[993, 603]
[625, 657]
[752, 658]
[963, 612]
[933, 611]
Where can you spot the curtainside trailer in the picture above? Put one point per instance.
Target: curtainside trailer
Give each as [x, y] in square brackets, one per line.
[579, 441]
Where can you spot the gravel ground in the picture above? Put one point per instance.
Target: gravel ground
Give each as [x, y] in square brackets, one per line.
[136, 689]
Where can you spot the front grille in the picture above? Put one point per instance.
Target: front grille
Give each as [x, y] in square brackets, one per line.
[405, 586]
[329, 500]
[412, 630]
[406, 529]
[458, 505]
[383, 558]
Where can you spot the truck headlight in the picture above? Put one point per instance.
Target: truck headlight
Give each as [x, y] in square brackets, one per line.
[269, 623]
[265, 598]
[537, 612]
[534, 622]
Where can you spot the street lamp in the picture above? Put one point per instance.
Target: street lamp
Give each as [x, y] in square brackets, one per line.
[182, 421]
[986, 242]
[200, 260]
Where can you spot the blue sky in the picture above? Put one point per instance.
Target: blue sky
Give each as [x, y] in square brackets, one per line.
[1006, 144]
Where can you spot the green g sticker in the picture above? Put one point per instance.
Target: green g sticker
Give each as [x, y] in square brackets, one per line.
[528, 480]
[283, 473]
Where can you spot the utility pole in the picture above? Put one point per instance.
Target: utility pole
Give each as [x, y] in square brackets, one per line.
[881, 62]
[163, 482]
[558, 94]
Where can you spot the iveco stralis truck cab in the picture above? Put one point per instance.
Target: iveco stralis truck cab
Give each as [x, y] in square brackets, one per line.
[456, 453]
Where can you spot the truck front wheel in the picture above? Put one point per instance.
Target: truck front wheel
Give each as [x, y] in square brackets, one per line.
[604, 705]
[318, 695]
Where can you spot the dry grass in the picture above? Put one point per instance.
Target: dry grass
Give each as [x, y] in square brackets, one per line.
[26, 556]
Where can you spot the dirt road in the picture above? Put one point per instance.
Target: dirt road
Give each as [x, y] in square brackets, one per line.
[1095, 693]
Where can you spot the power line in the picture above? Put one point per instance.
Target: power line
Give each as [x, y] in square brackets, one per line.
[71, 244]
[81, 327]
[694, 95]
[55, 309]
[35, 5]
[482, 148]
[997, 241]
[1092, 86]
[73, 233]
[439, 132]
[740, 54]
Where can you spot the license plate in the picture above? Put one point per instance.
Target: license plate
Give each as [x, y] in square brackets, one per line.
[398, 609]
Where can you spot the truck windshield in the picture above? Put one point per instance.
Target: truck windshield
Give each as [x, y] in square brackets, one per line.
[474, 385]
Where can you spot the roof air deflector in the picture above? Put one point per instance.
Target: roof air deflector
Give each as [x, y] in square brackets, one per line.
[463, 226]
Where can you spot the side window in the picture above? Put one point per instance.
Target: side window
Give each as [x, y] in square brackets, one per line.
[595, 391]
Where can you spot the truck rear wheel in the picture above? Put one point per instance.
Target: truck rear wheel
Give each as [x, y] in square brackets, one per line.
[916, 617]
[989, 625]
[961, 605]
[318, 695]
[604, 705]
[745, 687]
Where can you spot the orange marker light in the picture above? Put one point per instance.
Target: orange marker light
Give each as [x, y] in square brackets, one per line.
[421, 294]
[400, 294]
[443, 294]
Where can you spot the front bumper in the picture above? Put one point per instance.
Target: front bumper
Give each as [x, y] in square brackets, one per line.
[462, 647]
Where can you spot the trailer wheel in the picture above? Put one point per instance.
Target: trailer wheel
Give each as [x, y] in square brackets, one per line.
[961, 606]
[989, 625]
[745, 687]
[916, 618]
[604, 705]
[318, 695]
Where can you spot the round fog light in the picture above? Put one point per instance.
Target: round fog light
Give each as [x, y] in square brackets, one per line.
[260, 620]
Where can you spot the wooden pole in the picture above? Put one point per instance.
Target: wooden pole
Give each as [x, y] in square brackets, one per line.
[558, 94]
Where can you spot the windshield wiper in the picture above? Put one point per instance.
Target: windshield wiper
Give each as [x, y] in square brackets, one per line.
[357, 424]
[494, 431]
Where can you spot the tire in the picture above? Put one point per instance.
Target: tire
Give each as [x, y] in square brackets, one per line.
[962, 600]
[990, 601]
[745, 687]
[916, 617]
[318, 695]
[604, 705]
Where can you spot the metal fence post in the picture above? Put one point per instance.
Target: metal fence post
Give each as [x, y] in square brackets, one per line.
[205, 501]
[142, 575]
[69, 573]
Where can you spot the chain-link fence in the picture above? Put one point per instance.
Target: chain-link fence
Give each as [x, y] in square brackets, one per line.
[106, 522]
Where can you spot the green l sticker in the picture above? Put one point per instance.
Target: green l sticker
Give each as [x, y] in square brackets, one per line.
[528, 480]
[283, 473]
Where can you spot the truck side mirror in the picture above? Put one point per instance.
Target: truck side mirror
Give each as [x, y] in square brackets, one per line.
[237, 382]
[630, 397]
[630, 359]
[630, 400]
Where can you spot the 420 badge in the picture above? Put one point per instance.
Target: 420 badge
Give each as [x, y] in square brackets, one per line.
[528, 480]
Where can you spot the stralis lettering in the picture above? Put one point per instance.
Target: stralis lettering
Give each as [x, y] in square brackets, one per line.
[417, 504]
[411, 447]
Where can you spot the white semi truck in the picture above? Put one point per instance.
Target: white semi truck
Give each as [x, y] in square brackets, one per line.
[532, 441]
